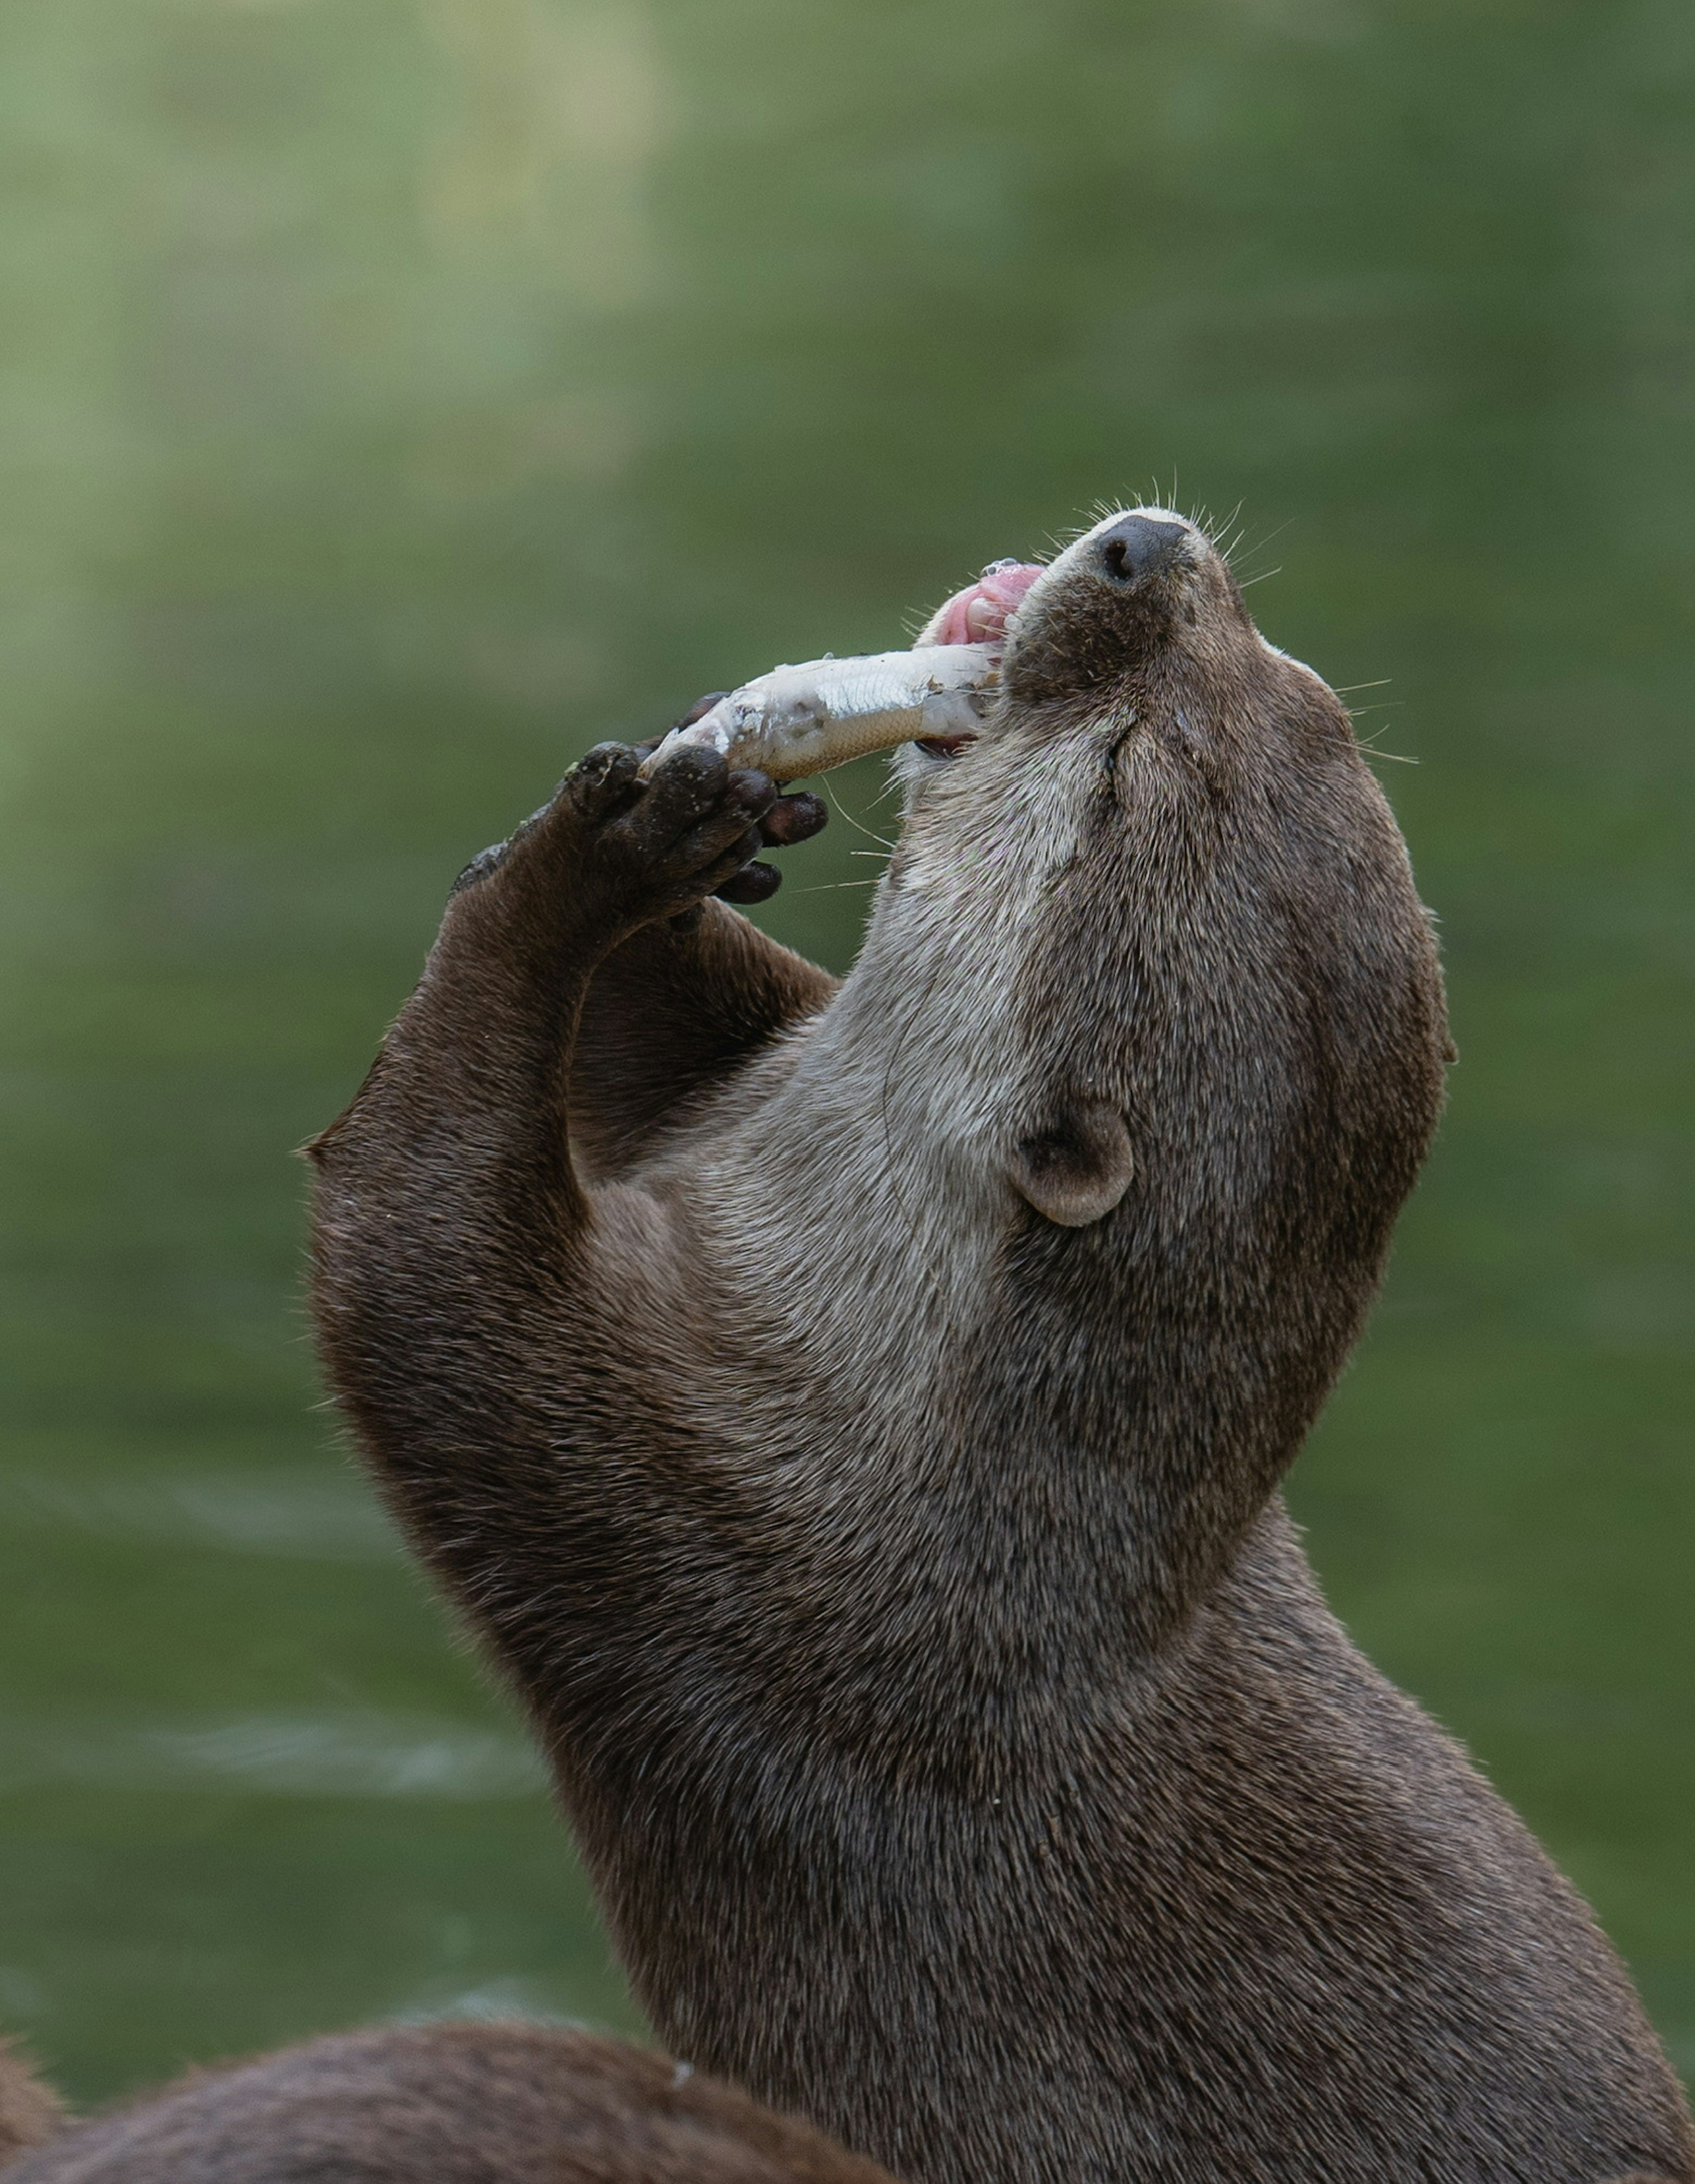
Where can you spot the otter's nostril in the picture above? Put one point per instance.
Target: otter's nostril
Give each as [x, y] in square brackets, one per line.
[1138, 546]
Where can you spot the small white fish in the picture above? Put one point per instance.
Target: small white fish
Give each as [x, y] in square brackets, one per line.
[804, 720]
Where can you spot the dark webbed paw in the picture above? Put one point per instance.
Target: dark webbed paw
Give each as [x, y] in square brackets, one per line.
[661, 846]
[790, 819]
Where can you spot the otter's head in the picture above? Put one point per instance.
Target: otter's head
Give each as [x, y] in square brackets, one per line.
[1182, 972]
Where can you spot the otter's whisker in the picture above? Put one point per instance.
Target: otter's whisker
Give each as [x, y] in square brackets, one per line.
[1225, 547]
[1259, 545]
[869, 834]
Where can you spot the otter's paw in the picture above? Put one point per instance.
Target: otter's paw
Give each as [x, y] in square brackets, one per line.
[790, 819]
[656, 849]
[693, 829]
[681, 835]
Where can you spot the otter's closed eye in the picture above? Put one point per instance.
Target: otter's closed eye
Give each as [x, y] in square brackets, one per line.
[1077, 1167]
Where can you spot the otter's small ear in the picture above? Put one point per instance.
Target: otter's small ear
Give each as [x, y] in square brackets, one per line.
[1076, 1168]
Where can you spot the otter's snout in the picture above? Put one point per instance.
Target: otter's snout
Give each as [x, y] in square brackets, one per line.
[1113, 598]
[1138, 546]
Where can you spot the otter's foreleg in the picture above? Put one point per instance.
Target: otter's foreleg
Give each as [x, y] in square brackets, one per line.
[672, 1011]
[456, 1231]
[678, 1009]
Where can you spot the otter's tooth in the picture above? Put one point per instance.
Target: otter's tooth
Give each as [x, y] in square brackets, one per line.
[804, 720]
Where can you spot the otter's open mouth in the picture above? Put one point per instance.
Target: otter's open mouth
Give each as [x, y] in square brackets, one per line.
[976, 616]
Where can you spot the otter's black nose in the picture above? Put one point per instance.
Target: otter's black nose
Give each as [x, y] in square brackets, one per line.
[1137, 546]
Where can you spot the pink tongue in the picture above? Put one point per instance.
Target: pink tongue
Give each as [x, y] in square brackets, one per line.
[977, 615]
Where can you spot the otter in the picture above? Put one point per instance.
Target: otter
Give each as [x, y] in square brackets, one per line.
[852, 1416]
[447, 2105]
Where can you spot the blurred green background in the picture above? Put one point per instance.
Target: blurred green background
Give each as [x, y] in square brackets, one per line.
[400, 395]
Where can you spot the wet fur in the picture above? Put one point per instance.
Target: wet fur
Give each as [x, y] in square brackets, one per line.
[447, 2105]
[963, 1753]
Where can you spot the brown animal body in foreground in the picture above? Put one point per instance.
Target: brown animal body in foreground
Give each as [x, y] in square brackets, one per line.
[29, 2111]
[447, 2105]
[853, 1416]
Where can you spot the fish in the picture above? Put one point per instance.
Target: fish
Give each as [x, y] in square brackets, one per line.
[804, 720]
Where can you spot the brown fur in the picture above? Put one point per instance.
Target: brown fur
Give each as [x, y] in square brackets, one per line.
[30, 2111]
[448, 2104]
[853, 1419]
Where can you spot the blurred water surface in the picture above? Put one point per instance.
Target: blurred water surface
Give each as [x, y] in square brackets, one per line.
[397, 397]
